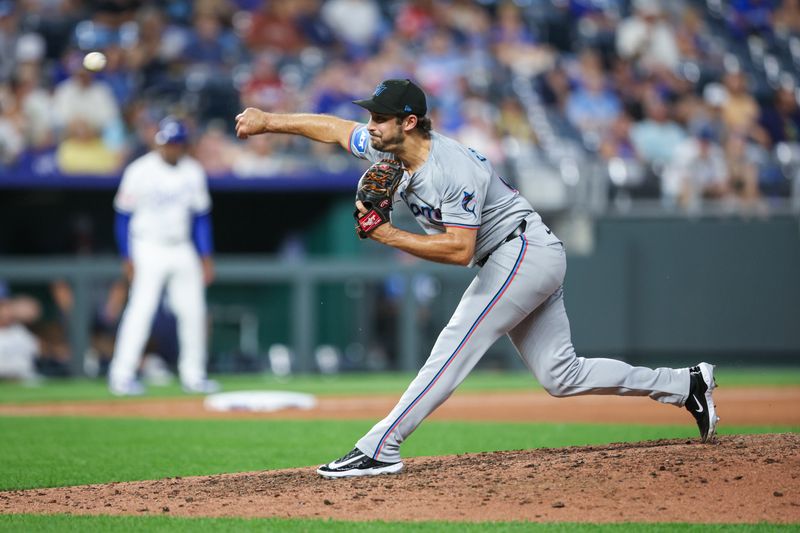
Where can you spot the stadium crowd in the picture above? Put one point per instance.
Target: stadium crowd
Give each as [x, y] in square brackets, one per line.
[678, 100]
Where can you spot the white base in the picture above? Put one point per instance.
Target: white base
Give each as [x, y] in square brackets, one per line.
[259, 401]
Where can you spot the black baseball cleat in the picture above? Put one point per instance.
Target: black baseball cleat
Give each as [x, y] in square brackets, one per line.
[700, 403]
[357, 463]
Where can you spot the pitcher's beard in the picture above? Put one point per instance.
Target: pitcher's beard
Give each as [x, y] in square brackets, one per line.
[388, 145]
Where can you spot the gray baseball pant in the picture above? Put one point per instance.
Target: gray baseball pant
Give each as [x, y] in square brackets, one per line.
[517, 292]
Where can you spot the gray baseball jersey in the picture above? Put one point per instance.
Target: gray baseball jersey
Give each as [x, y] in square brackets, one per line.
[517, 292]
[459, 187]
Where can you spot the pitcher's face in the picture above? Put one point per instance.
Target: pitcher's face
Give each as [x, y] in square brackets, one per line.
[386, 132]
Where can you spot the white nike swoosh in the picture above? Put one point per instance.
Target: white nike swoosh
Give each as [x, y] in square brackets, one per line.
[334, 465]
[698, 405]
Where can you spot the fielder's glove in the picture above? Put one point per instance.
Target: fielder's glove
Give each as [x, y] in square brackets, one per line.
[376, 190]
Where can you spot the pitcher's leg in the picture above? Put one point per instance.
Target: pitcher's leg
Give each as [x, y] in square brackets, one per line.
[452, 358]
[501, 295]
[543, 340]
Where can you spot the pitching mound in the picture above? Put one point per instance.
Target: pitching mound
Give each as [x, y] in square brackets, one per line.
[748, 478]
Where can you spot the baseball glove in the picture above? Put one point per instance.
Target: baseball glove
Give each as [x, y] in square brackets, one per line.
[376, 190]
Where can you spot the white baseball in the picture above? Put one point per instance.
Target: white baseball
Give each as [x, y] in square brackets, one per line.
[94, 61]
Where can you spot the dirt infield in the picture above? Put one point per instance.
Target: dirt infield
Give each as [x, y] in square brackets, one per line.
[737, 406]
[748, 478]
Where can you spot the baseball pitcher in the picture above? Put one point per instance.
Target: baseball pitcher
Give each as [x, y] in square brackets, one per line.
[163, 230]
[471, 217]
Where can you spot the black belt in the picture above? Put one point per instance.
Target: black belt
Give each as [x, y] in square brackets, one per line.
[511, 236]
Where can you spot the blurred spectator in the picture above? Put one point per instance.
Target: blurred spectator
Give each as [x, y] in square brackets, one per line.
[591, 107]
[158, 45]
[630, 86]
[513, 123]
[333, 91]
[740, 110]
[82, 151]
[356, 23]
[214, 150]
[656, 137]
[30, 48]
[114, 12]
[742, 163]
[34, 103]
[142, 118]
[259, 159]
[710, 114]
[695, 43]
[19, 348]
[786, 18]
[480, 130]
[647, 38]
[597, 23]
[22, 308]
[414, 19]
[515, 45]
[275, 26]
[440, 71]
[210, 45]
[554, 87]
[118, 75]
[750, 16]
[11, 140]
[264, 88]
[394, 60]
[697, 170]
[781, 117]
[9, 28]
[54, 21]
[691, 112]
[617, 141]
[622, 162]
[83, 98]
[470, 22]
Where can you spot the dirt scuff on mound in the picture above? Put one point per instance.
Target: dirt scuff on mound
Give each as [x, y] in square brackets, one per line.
[743, 478]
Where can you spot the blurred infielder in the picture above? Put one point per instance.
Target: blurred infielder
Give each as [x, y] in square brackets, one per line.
[471, 217]
[163, 229]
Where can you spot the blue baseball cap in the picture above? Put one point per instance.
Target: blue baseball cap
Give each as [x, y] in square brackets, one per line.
[171, 131]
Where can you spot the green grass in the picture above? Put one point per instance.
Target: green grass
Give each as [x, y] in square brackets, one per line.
[124, 524]
[351, 384]
[53, 451]
[60, 451]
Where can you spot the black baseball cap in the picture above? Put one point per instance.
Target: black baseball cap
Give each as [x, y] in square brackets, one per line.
[396, 97]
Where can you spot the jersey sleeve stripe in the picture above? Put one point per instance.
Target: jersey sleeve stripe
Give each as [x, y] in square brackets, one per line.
[465, 226]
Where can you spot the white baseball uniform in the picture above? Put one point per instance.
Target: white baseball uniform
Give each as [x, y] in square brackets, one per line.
[162, 200]
[517, 292]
